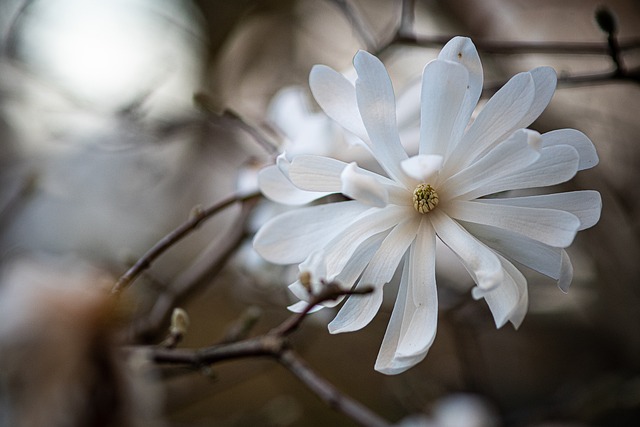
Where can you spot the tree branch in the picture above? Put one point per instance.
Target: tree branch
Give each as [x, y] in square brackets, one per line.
[197, 218]
[275, 344]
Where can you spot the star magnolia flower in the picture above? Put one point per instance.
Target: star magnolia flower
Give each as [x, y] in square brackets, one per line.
[453, 190]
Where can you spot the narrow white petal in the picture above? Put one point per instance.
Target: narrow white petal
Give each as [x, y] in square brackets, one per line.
[512, 155]
[386, 361]
[347, 241]
[576, 139]
[277, 187]
[497, 120]
[586, 204]
[363, 188]
[556, 165]
[422, 167]
[316, 173]
[337, 97]
[480, 261]
[549, 226]
[566, 273]
[510, 300]
[290, 237]
[358, 311]
[463, 51]
[444, 86]
[377, 105]
[545, 81]
[422, 307]
[538, 256]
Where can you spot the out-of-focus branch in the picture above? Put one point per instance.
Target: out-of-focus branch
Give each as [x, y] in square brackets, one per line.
[275, 344]
[197, 217]
[614, 48]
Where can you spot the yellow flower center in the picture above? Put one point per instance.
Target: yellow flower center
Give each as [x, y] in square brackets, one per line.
[425, 198]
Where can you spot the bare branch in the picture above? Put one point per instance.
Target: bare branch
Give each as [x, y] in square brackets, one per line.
[196, 219]
[275, 344]
[327, 392]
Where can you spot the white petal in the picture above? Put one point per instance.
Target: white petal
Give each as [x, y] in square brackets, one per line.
[370, 222]
[576, 139]
[545, 81]
[549, 226]
[509, 301]
[358, 311]
[512, 155]
[316, 173]
[480, 261]
[422, 167]
[386, 362]
[538, 256]
[556, 165]
[421, 310]
[337, 97]
[566, 273]
[444, 86]
[498, 119]
[277, 187]
[290, 237]
[377, 105]
[363, 188]
[586, 204]
[463, 51]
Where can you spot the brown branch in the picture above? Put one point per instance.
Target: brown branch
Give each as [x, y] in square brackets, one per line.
[519, 47]
[275, 345]
[197, 218]
[327, 392]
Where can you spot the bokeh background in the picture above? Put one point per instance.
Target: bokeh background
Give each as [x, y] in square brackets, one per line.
[118, 117]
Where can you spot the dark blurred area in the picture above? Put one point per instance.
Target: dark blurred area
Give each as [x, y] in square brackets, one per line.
[113, 128]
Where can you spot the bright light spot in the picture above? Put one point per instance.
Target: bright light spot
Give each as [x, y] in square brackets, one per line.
[110, 52]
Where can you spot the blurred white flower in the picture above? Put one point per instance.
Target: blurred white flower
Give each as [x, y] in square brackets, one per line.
[441, 193]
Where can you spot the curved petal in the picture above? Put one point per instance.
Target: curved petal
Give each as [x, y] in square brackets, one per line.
[566, 273]
[463, 51]
[290, 237]
[545, 81]
[386, 362]
[359, 311]
[498, 119]
[277, 187]
[555, 165]
[549, 226]
[509, 301]
[316, 173]
[362, 187]
[480, 261]
[421, 311]
[578, 140]
[512, 155]
[585, 204]
[337, 97]
[444, 86]
[373, 221]
[347, 276]
[377, 105]
[536, 255]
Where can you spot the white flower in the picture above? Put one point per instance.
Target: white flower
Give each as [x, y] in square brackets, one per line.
[441, 193]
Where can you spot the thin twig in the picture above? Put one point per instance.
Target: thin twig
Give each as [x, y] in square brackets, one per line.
[196, 219]
[519, 47]
[327, 392]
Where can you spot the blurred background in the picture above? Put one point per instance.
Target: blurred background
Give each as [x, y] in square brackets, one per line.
[118, 117]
